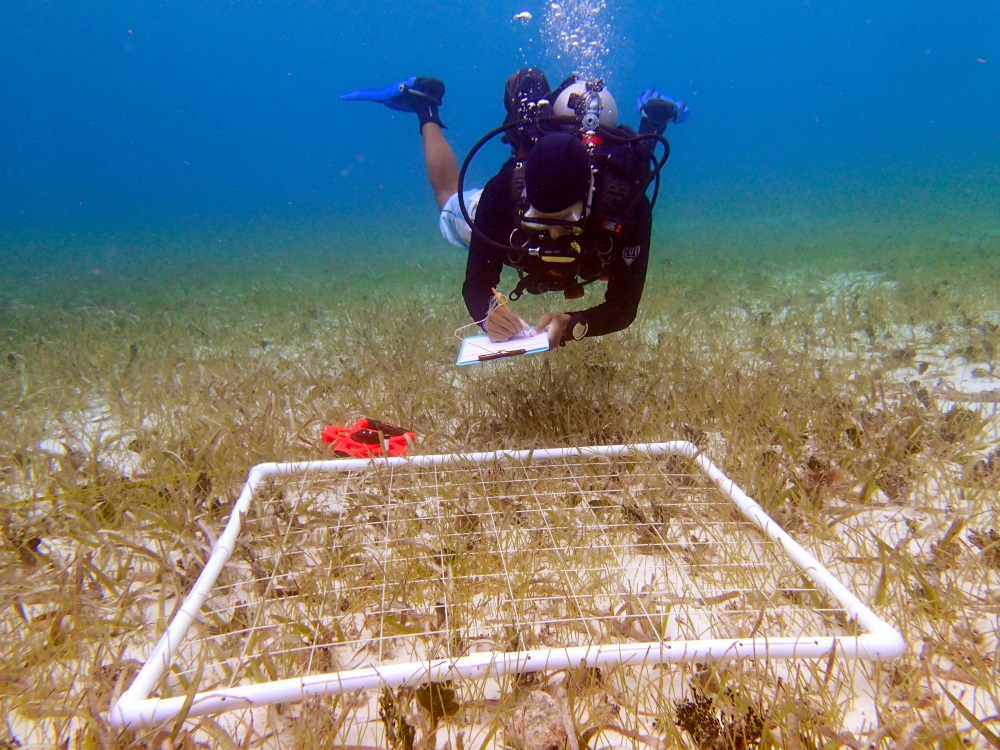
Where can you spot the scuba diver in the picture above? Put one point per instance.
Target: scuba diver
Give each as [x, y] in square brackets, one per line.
[567, 209]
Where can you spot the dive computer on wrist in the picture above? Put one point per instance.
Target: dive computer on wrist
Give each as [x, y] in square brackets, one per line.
[577, 327]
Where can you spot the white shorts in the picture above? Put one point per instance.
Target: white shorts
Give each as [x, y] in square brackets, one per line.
[454, 227]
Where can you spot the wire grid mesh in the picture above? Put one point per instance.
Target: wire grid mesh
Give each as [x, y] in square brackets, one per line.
[395, 563]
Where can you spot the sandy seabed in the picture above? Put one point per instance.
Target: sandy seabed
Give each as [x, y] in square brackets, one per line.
[840, 367]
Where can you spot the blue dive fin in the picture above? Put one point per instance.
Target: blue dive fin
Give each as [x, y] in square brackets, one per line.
[382, 96]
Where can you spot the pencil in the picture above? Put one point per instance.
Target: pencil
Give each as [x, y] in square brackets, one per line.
[499, 298]
[501, 301]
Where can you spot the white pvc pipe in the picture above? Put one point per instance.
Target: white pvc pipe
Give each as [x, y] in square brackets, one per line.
[135, 709]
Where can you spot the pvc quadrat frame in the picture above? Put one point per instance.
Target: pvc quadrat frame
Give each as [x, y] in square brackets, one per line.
[364, 574]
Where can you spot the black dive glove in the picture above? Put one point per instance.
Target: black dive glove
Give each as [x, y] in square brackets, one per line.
[423, 97]
[657, 110]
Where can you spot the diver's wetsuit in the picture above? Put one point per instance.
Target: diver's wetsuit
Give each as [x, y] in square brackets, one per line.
[628, 258]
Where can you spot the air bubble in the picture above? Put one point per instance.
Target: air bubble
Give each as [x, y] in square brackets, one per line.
[580, 30]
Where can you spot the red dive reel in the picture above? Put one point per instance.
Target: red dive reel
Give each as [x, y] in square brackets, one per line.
[369, 438]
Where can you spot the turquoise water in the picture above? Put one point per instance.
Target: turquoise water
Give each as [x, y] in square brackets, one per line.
[189, 115]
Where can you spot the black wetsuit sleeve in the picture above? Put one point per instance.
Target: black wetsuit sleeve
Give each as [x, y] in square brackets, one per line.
[626, 277]
[485, 264]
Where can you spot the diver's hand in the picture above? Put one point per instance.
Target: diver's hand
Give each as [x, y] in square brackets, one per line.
[420, 95]
[503, 325]
[659, 109]
[556, 324]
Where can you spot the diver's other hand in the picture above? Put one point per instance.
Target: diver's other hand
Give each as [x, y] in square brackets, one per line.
[421, 95]
[659, 109]
[503, 325]
[431, 89]
[556, 325]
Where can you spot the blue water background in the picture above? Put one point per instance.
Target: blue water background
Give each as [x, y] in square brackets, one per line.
[185, 114]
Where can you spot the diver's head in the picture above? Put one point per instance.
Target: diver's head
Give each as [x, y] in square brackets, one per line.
[557, 173]
[572, 101]
[524, 89]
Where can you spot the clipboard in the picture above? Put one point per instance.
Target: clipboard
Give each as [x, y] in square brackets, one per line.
[476, 349]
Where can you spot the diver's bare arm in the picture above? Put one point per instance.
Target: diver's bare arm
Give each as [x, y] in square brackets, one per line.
[440, 162]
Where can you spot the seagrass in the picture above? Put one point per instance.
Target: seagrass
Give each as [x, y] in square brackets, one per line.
[343, 575]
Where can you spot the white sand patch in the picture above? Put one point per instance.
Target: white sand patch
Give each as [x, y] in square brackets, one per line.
[94, 434]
